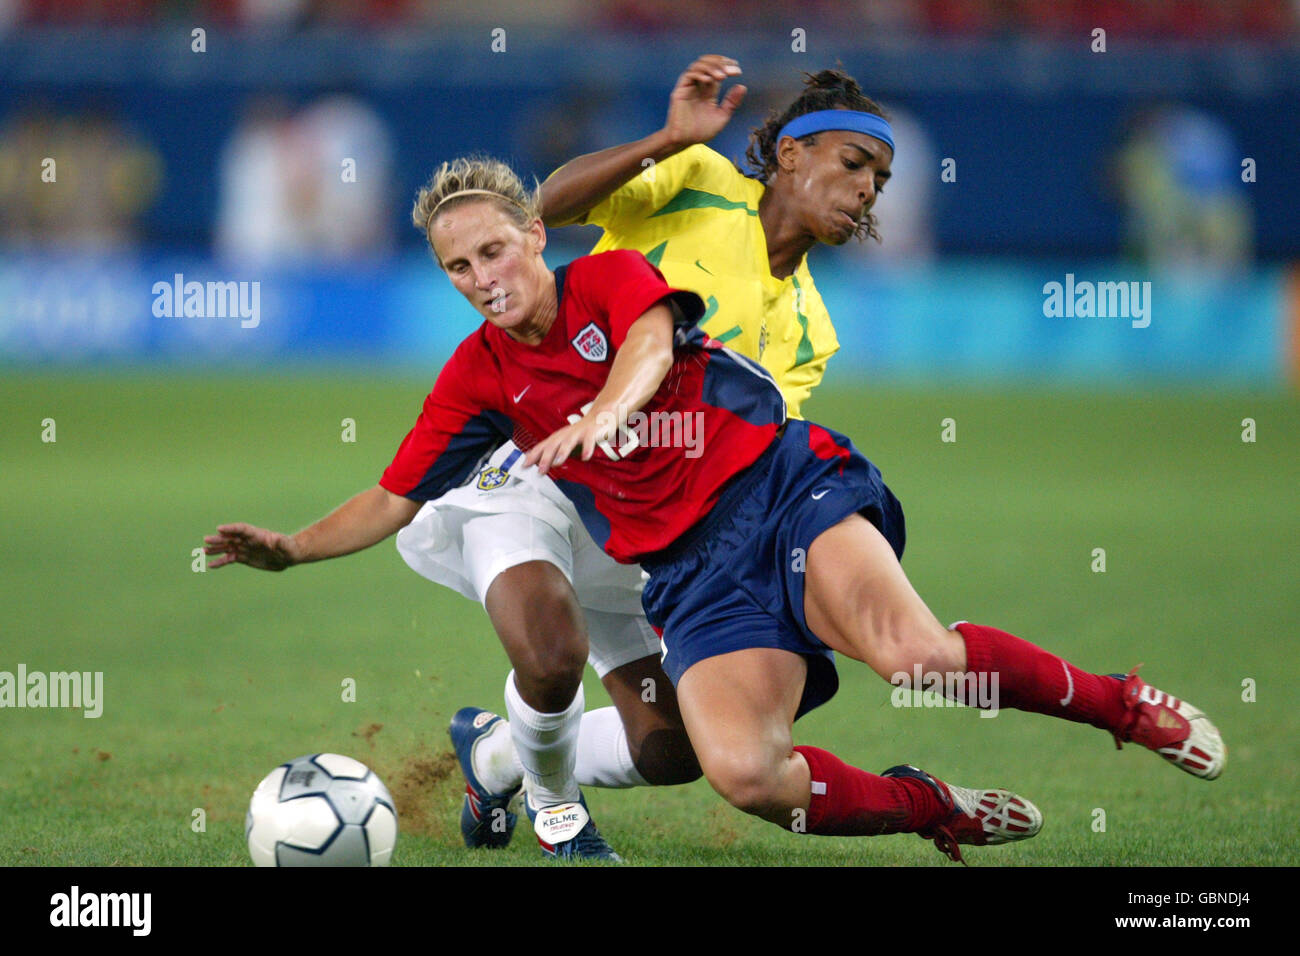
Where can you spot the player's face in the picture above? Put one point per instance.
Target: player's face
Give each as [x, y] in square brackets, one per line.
[495, 264]
[836, 180]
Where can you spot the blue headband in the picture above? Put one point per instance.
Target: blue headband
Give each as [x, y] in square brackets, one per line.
[823, 120]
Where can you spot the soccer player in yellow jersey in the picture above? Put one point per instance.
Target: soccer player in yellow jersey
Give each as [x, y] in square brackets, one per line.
[509, 539]
[740, 242]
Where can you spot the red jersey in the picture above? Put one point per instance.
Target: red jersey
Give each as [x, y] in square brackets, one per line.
[714, 414]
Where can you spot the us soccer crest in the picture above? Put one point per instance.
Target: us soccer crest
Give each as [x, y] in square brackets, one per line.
[591, 343]
[491, 477]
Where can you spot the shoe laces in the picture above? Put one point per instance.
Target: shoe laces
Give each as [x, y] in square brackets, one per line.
[1132, 712]
[947, 843]
[589, 842]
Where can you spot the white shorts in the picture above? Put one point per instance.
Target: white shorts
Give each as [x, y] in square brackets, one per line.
[500, 519]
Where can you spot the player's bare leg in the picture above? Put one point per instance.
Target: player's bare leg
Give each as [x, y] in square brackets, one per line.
[639, 742]
[858, 601]
[650, 721]
[537, 617]
[606, 755]
[740, 707]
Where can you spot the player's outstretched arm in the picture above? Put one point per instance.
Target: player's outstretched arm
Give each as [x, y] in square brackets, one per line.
[638, 369]
[695, 115]
[363, 520]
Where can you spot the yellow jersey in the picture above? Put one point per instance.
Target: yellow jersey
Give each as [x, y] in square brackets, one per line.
[695, 217]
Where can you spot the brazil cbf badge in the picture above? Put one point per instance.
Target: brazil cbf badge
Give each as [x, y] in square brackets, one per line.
[591, 343]
[491, 477]
[560, 824]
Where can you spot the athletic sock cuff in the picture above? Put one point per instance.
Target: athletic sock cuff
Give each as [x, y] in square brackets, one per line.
[535, 724]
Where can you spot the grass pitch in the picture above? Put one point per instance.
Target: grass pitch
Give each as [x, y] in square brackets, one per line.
[211, 679]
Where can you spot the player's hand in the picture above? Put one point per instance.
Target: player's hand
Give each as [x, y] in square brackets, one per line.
[582, 436]
[695, 114]
[255, 547]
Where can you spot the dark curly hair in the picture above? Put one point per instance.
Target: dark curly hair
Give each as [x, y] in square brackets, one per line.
[826, 90]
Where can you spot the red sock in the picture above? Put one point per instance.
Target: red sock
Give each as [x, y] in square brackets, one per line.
[847, 801]
[1029, 678]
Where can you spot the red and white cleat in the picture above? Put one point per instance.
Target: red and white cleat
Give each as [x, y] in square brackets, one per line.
[978, 818]
[1171, 727]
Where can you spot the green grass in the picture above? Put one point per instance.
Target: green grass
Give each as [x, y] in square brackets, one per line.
[212, 679]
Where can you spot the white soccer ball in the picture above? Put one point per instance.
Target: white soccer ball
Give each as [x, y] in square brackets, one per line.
[321, 810]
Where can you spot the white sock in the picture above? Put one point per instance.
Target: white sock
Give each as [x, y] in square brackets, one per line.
[604, 759]
[546, 745]
[495, 763]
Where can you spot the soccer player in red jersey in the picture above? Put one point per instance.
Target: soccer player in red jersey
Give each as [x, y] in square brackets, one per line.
[776, 546]
[511, 540]
[508, 537]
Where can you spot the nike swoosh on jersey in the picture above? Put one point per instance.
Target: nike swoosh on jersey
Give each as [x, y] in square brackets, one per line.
[697, 263]
[523, 393]
[818, 495]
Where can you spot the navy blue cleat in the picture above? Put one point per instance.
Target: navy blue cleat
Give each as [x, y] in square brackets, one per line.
[566, 832]
[485, 818]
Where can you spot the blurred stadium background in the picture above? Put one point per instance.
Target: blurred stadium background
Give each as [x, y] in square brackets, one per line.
[287, 153]
[1170, 154]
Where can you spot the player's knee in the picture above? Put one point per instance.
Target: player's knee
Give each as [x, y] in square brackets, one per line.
[665, 758]
[549, 674]
[747, 781]
[548, 649]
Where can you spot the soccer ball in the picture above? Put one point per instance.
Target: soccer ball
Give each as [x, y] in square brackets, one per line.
[321, 810]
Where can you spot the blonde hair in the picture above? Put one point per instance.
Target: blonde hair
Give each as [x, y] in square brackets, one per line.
[469, 178]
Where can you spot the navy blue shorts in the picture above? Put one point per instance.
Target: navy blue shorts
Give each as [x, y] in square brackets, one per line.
[736, 581]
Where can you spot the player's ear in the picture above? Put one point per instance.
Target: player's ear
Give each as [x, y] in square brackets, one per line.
[787, 152]
[538, 231]
[786, 148]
